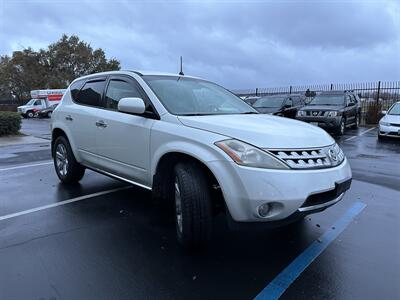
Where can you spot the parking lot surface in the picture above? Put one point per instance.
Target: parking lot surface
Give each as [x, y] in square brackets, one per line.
[104, 239]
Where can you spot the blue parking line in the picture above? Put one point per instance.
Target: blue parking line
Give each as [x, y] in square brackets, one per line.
[280, 283]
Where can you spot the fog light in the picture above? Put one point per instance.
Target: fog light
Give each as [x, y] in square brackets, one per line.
[264, 209]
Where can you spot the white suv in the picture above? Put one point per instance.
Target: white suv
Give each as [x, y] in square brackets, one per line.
[192, 141]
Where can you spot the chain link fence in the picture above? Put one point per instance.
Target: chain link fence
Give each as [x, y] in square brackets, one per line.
[375, 96]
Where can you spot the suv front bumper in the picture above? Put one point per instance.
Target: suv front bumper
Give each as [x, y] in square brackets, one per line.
[323, 122]
[288, 192]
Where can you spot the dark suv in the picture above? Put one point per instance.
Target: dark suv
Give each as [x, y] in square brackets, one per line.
[280, 105]
[333, 111]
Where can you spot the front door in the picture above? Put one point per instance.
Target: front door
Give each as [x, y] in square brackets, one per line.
[123, 140]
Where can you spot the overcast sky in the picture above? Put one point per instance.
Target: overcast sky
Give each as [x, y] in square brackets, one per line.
[242, 44]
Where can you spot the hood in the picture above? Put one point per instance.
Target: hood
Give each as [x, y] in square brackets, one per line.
[264, 131]
[391, 119]
[322, 107]
[267, 110]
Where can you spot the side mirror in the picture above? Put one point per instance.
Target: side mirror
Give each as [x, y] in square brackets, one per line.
[384, 112]
[131, 105]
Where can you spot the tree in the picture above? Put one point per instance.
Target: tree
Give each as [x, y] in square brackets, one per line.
[54, 67]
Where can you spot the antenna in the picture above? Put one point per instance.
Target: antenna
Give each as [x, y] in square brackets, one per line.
[181, 72]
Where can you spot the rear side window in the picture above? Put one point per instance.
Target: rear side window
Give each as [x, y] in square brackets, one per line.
[118, 89]
[75, 88]
[91, 93]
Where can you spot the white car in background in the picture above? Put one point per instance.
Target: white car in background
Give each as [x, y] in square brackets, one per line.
[389, 125]
[193, 142]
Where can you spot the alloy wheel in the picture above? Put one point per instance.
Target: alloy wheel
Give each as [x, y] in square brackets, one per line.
[62, 159]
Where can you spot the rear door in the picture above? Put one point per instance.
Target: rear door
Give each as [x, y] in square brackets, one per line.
[123, 140]
[82, 115]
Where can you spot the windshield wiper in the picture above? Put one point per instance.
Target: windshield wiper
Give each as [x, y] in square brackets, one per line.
[249, 113]
[196, 114]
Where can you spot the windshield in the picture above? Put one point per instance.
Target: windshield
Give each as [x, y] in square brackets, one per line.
[189, 96]
[31, 102]
[269, 102]
[395, 110]
[328, 100]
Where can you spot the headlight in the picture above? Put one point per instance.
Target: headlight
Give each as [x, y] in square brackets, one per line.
[384, 123]
[301, 113]
[335, 155]
[332, 114]
[247, 155]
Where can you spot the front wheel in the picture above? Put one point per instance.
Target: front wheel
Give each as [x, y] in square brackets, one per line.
[30, 114]
[341, 128]
[356, 122]
[68, 170]
[193, 215]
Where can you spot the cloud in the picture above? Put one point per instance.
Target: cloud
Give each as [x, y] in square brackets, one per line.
[238, 44]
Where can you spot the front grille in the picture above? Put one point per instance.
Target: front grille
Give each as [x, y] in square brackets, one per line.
[304, 159]
[321, 198]
[315, 113]
[395, 125]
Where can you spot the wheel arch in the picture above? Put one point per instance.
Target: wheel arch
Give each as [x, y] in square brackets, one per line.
[163, 175]
[62, 131]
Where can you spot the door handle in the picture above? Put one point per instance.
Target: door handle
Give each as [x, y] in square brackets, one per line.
[101, 123]
[68, 118]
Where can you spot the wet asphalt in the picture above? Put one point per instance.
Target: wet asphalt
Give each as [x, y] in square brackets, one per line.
[121, 245]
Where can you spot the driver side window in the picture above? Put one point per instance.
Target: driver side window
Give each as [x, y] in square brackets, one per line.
[289, 102]
[118, 89]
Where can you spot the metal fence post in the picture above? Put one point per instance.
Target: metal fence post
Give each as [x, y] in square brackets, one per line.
[378, 91]
[290, 89]
[331, 86]
[256, 91]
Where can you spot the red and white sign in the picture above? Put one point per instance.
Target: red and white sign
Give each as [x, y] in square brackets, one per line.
[50, 95]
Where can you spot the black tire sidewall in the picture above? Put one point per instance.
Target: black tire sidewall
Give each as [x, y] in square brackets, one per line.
[195, 206]
[339, 130]
[75, 171]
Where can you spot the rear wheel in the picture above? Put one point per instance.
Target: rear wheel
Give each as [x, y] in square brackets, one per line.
[68, 170]
[193, 214]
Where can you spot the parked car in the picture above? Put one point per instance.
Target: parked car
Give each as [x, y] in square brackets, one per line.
[280, 105]
[191, 141]
[332, 111]
[41, 99]
[389, 125]
[47, 112]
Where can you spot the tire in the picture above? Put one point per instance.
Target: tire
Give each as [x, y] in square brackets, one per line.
[30, 114]
[68, 170]
[342, 127]
[193, 214]
[357, 122]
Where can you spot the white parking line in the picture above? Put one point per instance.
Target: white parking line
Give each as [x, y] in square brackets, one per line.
[32, 210]
[27, 166]
[362, 133]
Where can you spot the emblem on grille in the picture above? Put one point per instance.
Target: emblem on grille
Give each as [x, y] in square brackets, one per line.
[315, 113]
[332, 155]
